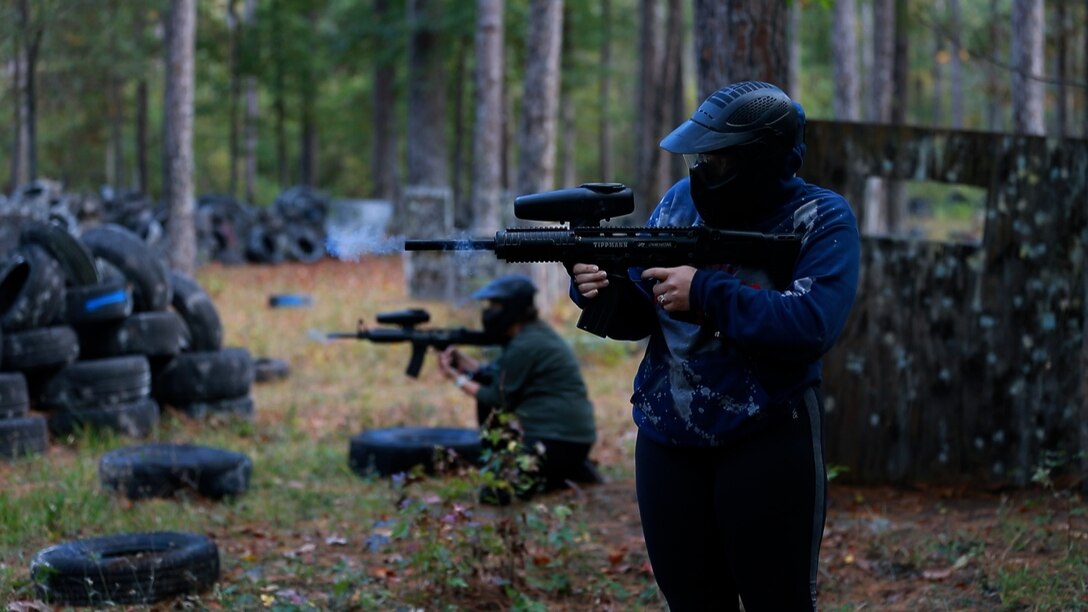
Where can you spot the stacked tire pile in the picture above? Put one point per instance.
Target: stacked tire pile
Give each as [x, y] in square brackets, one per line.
[103, 333]
[291, 229]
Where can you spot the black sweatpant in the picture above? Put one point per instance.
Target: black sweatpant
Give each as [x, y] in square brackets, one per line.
[742, 520]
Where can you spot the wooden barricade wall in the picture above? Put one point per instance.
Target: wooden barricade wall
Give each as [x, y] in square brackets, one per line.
[962, 363]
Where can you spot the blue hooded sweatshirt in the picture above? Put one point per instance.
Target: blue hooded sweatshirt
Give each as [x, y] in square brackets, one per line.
[746, 345]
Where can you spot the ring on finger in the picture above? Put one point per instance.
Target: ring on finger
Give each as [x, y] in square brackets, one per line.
[661, 299]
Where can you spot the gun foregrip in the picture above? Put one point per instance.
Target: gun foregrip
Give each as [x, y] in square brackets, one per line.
[597, 314]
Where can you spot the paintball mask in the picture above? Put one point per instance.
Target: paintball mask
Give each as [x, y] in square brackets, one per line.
[512, 302]
[736, 143]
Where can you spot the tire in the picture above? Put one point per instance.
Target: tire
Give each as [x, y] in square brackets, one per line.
[305, 244]
[192, 303]
[97, 383]
[39, 349]
[390, 451]
[124, 249]
[106, 301]
[267, 369]
[266, 246]
[204, 376]
[26, 435]
[137, 419]
[161, 470]
[134, 568]
[232, 407]
[157, 333]
[74, 257]
[14, 399]
[39, 298]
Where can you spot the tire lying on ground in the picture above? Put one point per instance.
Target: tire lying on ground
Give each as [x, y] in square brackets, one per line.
[39, 349]
[93, 383]
[136, 419]
[161, 470]
[14, 400]
[398, 449]
[231, 407]
[134, 568]
[202, 376]
[154, 334]
[26, 435]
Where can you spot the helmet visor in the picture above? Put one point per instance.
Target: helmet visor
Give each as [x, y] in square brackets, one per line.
[714, 169]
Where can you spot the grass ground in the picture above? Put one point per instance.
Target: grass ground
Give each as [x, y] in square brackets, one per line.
[311, 534]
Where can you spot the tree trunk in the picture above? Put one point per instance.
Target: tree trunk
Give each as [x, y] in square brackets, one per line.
[540, 102]
[883, 69]
[753, 34]
[844, 64]
[606, 169]
[649, 95]
[427, 209]
[1061, 22]
[182, 235]
[32, 32]
[142, 175]
[1027, 61]
[487, 139]
[955, 67]
[279, 93]
[940, 57]
[537, 134]
[567, 133]
[310, 92]
[18, 145]
[462, 210]
[384, 161]
[252, 108]
[993, 117]
[234, 98]
[168, 94]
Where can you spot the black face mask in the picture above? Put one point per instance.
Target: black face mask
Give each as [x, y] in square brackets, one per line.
[733, 204]
[496, 321]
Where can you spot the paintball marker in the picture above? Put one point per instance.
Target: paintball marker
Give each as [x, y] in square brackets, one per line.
[614, 249]
[404, 330]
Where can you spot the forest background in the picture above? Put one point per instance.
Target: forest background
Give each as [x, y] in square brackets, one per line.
[331, 93]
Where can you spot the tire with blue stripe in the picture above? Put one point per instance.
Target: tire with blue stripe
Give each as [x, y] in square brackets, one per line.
[105, 301]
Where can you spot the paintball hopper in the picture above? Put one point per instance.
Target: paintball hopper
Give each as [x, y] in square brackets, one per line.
[585, 205]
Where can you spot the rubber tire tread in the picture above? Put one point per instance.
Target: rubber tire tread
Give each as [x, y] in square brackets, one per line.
[26, 435]
[161, 470]
[202, 376]
[398, 449]
[14, 399]
[151, 289]
[74, 257]
[242, 406]
[198, 312]
[94, 383]
[39, 348]
[117, 568]
[136, 419]
[158, 333]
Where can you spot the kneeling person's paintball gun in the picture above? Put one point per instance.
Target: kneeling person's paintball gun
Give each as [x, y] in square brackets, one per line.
[403, 329]
[615, 249]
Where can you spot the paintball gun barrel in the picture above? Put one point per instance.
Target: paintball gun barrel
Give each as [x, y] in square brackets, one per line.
[404, 324]
[615, 249]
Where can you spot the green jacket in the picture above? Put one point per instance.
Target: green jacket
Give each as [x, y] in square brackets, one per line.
[539, 378]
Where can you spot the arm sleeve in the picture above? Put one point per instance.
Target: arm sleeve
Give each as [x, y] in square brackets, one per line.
[803, 321]
[508, 378]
